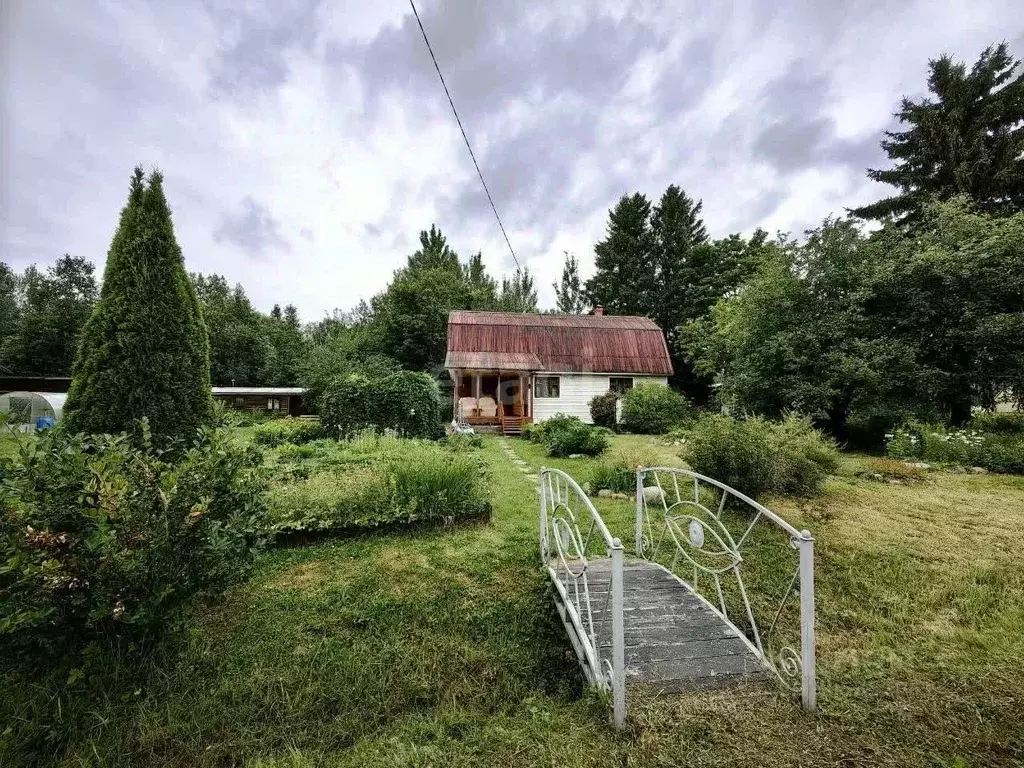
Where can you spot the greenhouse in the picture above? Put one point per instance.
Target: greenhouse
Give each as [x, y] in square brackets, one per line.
[26, 411]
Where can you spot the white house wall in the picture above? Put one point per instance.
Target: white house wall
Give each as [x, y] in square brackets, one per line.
[576, 391]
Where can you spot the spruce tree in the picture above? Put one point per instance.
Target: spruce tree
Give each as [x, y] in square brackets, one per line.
[968, 140]
[569, 299]
[625, 278]
[144, 349]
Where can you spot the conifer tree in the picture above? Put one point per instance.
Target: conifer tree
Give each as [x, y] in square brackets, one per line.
[624, 279]
[968, 140]
[569, 299]
[144, 349]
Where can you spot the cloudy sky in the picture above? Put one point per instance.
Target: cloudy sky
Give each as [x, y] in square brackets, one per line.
[306, 142]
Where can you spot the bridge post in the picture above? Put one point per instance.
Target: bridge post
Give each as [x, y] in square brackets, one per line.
[543, 516]
[808, 683]
[618, 638]
[639, 513]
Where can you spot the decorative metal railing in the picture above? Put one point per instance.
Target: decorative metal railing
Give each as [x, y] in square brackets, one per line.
[573, 539]
[719, 543]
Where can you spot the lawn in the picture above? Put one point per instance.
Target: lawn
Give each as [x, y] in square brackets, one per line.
[438, 647]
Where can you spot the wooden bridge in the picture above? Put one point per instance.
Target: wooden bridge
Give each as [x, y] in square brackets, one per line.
[718, 590]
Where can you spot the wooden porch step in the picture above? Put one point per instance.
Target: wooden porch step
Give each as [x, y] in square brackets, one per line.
[512, 425]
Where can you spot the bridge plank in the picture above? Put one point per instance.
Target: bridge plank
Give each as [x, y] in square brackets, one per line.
[674, 640]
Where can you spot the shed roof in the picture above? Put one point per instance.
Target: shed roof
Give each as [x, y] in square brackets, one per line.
[561, 343]
[240, 391]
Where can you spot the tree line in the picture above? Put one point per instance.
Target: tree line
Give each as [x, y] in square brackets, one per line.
[855, 325]
[912, 306]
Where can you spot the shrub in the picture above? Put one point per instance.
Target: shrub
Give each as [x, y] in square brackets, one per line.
[617, 472]
[410, 403]
[603, 409]
[287, 430]
[576, 438]
[756, 456]
[1002, 452]
[999, 423]
[406, 402]
[462, 442]
[652, 409]
[144, 352]
[564, 435]
[346, 405]
[103, 536]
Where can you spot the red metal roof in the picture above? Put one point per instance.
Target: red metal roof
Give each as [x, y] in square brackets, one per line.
[563, 343]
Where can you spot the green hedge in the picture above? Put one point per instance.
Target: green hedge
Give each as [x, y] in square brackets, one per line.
[407, 402]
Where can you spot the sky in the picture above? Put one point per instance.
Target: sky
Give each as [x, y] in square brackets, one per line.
[305, 143]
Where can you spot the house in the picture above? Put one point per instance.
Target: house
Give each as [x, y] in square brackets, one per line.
[510, 369]
[285, 401]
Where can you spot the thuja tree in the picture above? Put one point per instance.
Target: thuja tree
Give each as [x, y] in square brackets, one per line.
[144, 350]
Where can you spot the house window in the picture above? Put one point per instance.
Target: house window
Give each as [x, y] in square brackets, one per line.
[620, 384]
[546, 386]
[239, 402]
[273, 403]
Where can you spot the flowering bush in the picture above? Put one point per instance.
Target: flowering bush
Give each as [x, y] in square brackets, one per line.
[960, 447]
[106, 535]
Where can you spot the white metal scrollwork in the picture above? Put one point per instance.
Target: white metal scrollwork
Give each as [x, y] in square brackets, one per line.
[572, 537]
[705, 549]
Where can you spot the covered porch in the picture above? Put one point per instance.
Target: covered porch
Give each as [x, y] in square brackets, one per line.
[493, 389]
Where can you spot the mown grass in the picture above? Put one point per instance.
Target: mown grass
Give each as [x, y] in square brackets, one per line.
[438, 648]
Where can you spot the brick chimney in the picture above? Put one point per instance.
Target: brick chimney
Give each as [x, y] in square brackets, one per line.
[598, 310]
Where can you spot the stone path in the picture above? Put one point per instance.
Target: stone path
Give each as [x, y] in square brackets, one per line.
[521, 465]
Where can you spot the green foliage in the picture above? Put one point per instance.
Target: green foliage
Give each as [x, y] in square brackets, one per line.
[407, 402]
[659, 263]
[968, 139]
[374, 480]
[42, 315]
[144, 349]
[103, 536]
[461, 442]
[1000, 423]
[518, 294]
[564, 435]
[997, 452]
[653, 409]
[617, 471]
[756, 456]
[246, 346]
[578, 438]
[603, 409]
[569, 297]
[347, 405]
[287, 431]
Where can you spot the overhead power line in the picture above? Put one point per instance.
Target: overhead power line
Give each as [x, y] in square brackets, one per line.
[464, 136]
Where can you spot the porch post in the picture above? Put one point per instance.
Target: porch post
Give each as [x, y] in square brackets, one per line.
[455, 396]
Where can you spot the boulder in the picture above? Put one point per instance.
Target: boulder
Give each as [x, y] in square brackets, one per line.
[653, 494]
[917, 464]
[620, 495]
[577, 456]
[604, 493]
[979, 471]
